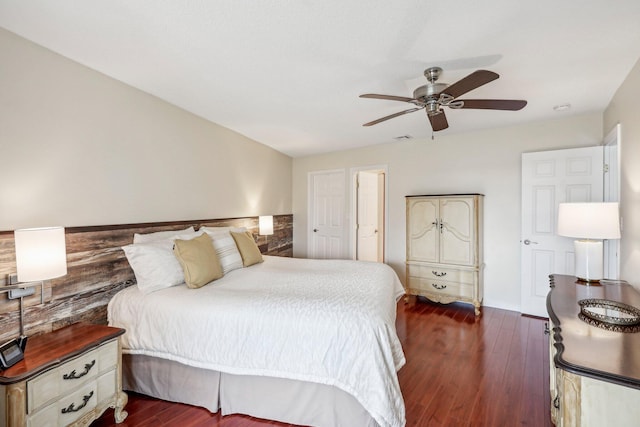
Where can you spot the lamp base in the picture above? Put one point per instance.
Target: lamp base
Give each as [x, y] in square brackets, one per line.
[22, 342]
[589, 265]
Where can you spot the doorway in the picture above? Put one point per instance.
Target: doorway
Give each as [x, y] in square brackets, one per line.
[369, 213]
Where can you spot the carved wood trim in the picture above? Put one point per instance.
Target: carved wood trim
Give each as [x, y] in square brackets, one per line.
[97, 268]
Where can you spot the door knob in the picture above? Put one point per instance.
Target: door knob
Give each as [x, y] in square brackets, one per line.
[315, 230]
[529, 242]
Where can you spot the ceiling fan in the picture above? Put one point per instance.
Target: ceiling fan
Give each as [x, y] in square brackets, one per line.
[433, 96]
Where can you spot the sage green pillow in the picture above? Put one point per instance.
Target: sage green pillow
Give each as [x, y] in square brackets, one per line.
[198, 259]
[248, 249]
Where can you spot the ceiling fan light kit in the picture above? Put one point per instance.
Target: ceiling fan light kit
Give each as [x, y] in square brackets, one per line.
[433, 96]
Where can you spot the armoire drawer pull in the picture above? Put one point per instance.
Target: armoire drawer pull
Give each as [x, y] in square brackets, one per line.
[73, 376]
[437, 274]
[72, 407]
[435, 285]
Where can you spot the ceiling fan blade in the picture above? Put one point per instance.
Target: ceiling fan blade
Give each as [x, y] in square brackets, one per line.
[387, 97]
[494, 104]
[471, 82]
[438, 121]
[382, 119]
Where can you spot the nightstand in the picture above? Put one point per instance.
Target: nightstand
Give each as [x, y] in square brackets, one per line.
[68, 377]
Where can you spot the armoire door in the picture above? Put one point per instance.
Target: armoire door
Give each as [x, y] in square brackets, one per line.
[423, 238]
[456, 233]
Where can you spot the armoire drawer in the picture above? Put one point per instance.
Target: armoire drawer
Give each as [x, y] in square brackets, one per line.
[441, 273]
[460, 290]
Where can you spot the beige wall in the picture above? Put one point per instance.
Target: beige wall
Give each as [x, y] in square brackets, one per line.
[79, 148]
[624, 109]
[485, 162]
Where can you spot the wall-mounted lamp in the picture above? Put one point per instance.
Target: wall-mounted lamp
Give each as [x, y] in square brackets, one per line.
[590, 223]
[265, 224]
[40, 255]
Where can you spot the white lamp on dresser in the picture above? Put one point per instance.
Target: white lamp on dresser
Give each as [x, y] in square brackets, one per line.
[590, 223]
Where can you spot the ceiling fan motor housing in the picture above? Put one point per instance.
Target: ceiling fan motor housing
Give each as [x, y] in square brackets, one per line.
[428, 96]
[430, 90]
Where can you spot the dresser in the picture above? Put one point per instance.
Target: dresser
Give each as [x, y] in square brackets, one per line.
[594, 370]
[67, 377]
[444, 248]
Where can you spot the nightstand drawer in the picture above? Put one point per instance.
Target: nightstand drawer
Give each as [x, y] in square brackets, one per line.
[61, 380]
[107, 356]
[440, 287]
[441, 273]
[106, 385]
[68, 409]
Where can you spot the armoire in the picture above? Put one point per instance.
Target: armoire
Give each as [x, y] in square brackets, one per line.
[444, 248]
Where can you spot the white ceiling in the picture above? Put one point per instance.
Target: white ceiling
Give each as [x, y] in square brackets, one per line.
[288, 73]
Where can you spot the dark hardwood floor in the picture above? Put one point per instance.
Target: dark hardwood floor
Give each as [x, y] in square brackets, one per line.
[460, 371]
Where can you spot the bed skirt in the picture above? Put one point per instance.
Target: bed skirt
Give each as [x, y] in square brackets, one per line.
[278, 399]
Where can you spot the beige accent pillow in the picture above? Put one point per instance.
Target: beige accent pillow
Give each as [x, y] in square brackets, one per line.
[248, 248]
[198, 259]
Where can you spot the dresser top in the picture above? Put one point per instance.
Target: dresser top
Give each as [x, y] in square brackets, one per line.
[47, 350]
[590, 350]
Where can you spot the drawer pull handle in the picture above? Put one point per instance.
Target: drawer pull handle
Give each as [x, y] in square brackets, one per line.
[435, 273]
[73, 376]
[435, 285]
[72, 407]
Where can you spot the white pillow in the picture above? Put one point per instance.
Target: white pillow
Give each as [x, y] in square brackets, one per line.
[160, 235]
[154, 264]
[221, 229]
[226, 249]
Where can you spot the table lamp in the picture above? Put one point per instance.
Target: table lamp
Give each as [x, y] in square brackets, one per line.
[590, 223]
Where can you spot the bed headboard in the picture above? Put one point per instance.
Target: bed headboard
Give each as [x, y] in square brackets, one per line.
[97, 268]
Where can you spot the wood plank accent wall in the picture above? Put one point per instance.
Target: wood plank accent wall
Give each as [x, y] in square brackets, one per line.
[97, 268]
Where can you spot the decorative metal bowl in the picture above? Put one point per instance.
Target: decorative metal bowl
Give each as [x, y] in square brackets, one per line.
[611, 315]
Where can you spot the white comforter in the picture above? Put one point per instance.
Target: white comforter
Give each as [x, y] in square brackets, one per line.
[324, 321]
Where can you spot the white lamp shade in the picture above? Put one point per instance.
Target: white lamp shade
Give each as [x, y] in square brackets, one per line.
[589, 220]
[265, 223]
[40, 253]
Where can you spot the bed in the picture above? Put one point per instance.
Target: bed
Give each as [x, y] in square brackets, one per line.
[308, 342]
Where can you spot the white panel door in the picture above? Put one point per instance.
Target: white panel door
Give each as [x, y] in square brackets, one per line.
[550, 178]
[367, 214]
[327, 211]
